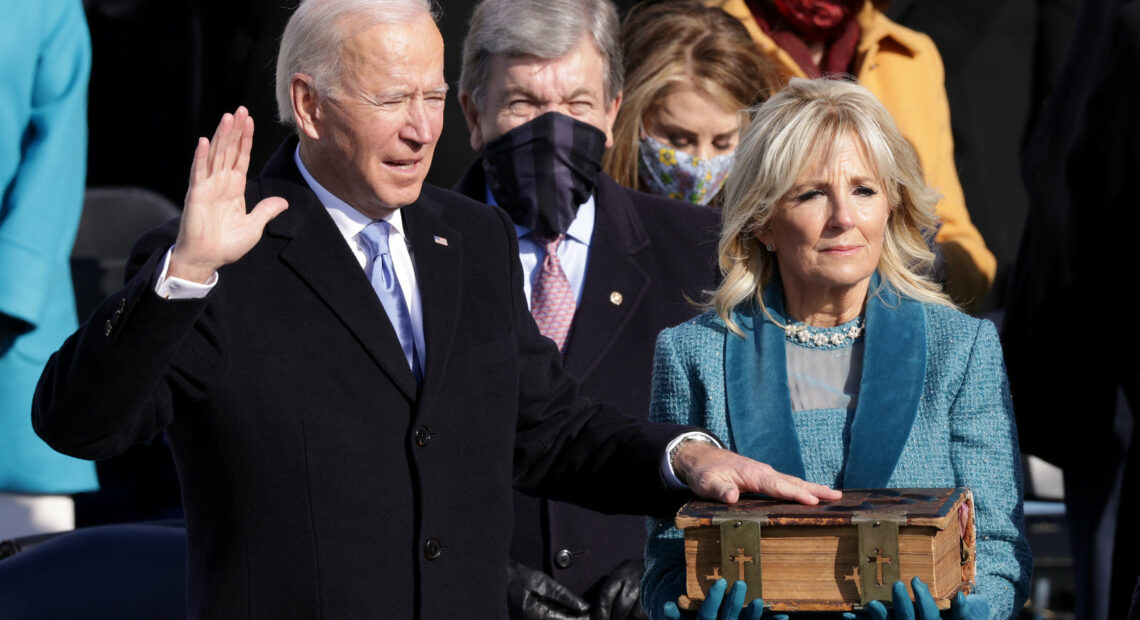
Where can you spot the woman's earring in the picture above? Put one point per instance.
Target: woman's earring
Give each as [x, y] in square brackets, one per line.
[769, 246]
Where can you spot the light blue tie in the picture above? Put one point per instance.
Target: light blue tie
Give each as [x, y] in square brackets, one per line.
[383, 277]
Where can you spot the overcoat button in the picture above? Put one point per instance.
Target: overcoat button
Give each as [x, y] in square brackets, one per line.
[122, 304]
[563, 559]
[432, 549]
[423, 436]
[107, 328]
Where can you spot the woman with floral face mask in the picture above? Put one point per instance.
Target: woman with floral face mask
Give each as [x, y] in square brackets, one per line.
[689, 70]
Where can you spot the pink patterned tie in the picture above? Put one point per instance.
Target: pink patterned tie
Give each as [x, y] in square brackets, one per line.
[552, 299]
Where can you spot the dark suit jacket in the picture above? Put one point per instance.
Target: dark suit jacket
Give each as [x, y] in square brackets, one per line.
[1078, 237]
[654, 253]
[317, 480]
[1078, 251]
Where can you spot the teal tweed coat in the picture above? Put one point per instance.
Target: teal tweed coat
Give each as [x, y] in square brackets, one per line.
[933, 411]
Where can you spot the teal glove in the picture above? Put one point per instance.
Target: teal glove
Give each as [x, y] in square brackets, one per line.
[712, 609]
[923, 608]
[973, 607]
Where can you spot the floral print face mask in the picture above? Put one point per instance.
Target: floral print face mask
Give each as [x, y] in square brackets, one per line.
[668, 172]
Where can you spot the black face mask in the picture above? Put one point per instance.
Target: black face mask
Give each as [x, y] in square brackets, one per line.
[541, 171]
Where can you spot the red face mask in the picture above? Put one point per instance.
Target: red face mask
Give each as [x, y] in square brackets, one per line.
[817, 20]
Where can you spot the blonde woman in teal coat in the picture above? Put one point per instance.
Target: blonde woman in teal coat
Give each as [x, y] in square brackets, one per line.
[827, 353]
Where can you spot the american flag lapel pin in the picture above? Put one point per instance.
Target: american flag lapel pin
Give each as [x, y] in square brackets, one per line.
[440, 240]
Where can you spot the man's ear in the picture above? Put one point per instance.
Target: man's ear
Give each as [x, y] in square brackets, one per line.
[306, 106]
[471, 114]
[611, 117]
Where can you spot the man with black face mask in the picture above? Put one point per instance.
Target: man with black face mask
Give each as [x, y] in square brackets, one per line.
[605, 268]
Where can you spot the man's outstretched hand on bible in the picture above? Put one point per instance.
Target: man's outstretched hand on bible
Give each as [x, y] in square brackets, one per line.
[722, 475]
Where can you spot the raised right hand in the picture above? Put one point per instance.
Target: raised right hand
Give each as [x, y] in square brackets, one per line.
[215, 228]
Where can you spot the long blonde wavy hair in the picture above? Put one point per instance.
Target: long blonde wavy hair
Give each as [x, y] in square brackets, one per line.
[795, 128]
[670, 45]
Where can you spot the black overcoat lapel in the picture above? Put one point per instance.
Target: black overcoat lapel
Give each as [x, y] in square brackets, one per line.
[315, 250]
[437, 250]
[615, 281]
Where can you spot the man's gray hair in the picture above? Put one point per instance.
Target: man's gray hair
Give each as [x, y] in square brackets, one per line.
[317, 31]
[544, 28]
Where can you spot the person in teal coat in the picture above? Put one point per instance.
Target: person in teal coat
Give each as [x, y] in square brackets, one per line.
[45, 58]
[829, 354]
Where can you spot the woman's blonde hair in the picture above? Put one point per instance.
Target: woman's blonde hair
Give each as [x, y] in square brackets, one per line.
[798, 127]
[673, 44]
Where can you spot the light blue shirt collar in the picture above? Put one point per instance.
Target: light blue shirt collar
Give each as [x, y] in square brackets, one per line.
[348, 220]
[580, 230]
[574, 252]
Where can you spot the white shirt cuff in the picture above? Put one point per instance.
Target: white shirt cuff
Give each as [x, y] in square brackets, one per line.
[671, 479]
[177, 288]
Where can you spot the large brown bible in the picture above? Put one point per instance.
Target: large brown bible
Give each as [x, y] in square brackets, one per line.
[835, 556]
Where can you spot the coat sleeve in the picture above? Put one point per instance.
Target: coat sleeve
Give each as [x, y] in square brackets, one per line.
[570, 449]
[985, 457]
[115, 382]
[672, 402]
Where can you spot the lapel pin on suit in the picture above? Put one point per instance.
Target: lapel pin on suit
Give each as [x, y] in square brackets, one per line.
[616, 298]
[441, 240]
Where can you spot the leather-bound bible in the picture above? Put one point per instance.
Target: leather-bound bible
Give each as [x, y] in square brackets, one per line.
[834, 556]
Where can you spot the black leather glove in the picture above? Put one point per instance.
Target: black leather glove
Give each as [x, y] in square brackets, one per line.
[619, 596]
[534, 595]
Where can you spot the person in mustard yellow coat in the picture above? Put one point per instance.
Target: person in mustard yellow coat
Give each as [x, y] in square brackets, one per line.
[903, 69]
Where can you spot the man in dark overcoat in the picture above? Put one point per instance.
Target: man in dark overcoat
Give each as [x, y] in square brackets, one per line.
[635, 263]
[343, 359]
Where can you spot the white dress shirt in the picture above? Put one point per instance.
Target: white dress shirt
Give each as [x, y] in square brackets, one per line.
[350, 223]
[573, 252]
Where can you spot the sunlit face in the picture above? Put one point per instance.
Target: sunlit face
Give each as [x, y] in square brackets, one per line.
[372, 143]
[827, 232]
[692, 122]
[520, 89]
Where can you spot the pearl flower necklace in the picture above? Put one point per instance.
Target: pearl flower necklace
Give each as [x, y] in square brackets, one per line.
[822, 336]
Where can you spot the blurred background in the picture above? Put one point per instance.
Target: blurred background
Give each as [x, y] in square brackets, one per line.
[164, 71]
